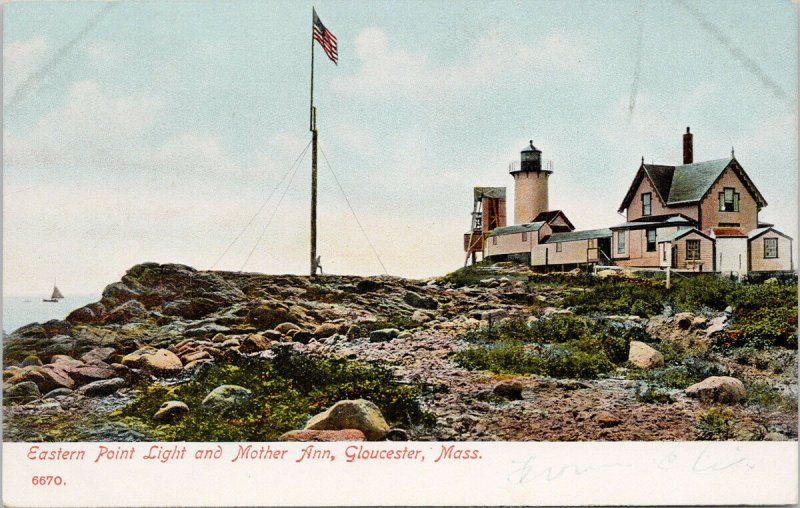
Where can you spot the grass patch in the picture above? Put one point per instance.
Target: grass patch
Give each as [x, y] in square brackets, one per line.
[717, 424]
[286, 391]
[562, 346]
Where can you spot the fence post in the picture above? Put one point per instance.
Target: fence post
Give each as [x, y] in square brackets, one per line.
[669, 269]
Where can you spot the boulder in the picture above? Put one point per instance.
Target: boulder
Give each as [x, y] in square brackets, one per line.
[101, 354]
[21, 393]
[323, 435]
[775, 436]
[89, 373]
[358, 414]
[31, 360]
[722, 389]
[302, 337]
[225, 396]
[383, 335]
[419, 301]
[64, 361]
[510, 390]
[171, 410]
[159, 362]
[325, 330]
[420, 317]
[52, 377]
[284, 328]
[267, 316]
[128, 311]
[253, 343]
[643, 356]
[88, 314]
[368, 285]
[102, 388]
[58, 392]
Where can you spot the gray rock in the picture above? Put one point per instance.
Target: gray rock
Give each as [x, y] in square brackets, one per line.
[383, 335]
[171, 410]
[102, 388]
[419, 301]
[225, 396]
[722, 389]
[358, 414]
[58, 392]
[21, 393]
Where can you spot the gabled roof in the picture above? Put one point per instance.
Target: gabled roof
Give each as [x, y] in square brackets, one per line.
[752, 235]
[688, 183]
[573, 236]
[517, 228]
[551, 215]
[683, 232]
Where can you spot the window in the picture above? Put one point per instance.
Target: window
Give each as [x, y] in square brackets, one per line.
[620, 242]
[646, 203]
[770, 248]
[524, 237]
[494, 240]
[692, 250]
[728, 200]
[665, 251]
[558, 246]
[651, 240]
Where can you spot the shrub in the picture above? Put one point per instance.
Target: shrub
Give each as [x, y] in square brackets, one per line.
[762, 395]
[286, 391]
[650, 394]
[642, 297]
[717, 424]
[764, 327]
[693, 293]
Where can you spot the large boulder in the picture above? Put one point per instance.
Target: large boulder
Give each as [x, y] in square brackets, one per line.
[226, 396]
[159, 362]
[20, 393]
[47, 377]
[420, 301]
[269, 315]
[100, 354]
[724, 389]
[128, 311]
[253, 343]
[325, 330]
[643, 356]
[383, 335]
[358, 414]
[88, 314]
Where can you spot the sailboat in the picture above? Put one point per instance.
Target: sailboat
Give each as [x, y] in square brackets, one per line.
[55, 297]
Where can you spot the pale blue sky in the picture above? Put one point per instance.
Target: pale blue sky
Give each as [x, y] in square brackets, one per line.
[158, 133]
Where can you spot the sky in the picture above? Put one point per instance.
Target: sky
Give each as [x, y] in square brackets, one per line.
[155, 131]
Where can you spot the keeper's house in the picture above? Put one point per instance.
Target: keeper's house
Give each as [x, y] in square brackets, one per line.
[700, 217]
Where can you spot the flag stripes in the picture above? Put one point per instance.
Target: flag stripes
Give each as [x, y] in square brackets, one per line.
[326, 39]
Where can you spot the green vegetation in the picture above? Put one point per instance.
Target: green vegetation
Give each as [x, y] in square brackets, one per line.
[469, 275]
[650, 394]
[717, 424]
[563, 346]
[286, 391]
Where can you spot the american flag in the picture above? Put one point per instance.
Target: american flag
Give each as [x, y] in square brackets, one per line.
[326, 39]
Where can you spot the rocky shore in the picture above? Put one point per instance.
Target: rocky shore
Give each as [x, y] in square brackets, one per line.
[400, 355]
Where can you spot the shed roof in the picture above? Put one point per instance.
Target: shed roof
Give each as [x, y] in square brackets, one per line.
[574, 236]
[517, 228]
[662, 221]
[489, 192]
[550, 216]
[683, 232]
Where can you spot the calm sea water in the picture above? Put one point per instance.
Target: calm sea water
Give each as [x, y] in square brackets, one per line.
[22, 310]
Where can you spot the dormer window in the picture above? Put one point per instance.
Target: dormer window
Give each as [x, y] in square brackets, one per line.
[729, 200]
[647, 203]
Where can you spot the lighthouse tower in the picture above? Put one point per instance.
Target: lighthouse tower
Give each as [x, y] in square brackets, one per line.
[530, 185]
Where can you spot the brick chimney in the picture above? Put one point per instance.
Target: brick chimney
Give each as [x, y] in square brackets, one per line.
[687, 147]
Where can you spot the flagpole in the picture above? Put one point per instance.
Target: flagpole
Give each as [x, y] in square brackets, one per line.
[313, 127]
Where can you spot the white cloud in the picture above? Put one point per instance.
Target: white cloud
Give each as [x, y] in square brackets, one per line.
[497, 57]
[93, 127]
[20, 60]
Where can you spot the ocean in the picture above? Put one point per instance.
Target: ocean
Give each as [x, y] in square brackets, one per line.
[22, 310]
